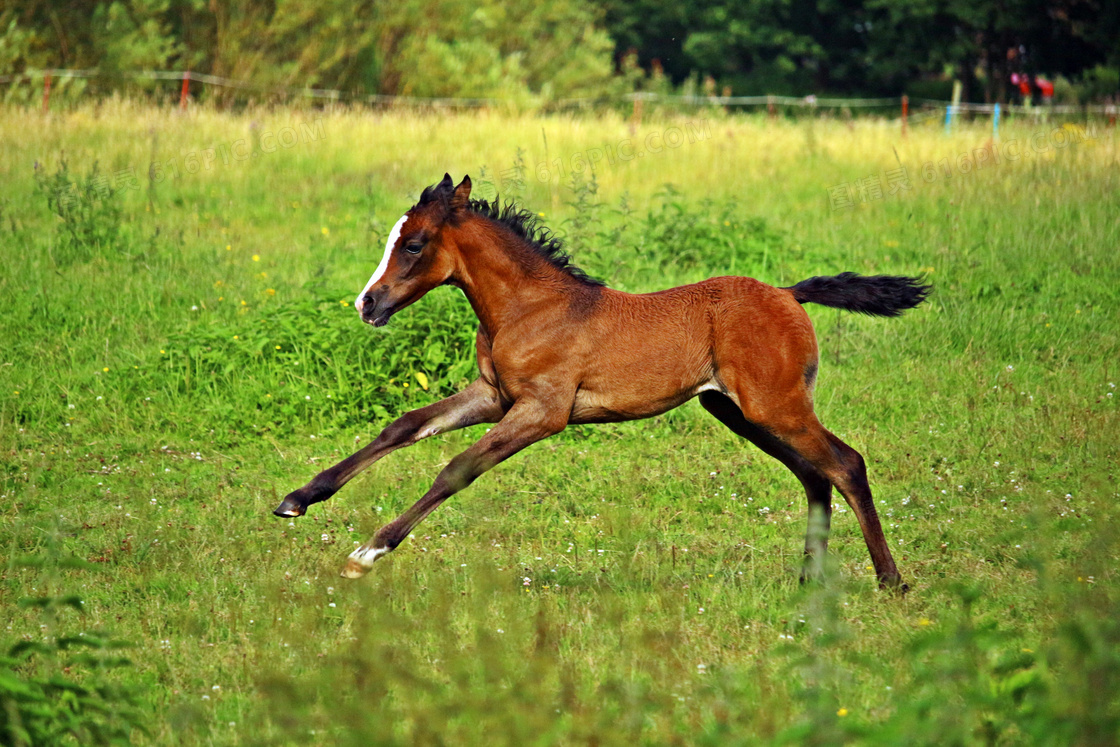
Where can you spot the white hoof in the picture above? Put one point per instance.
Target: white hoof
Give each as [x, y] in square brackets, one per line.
[361, 560]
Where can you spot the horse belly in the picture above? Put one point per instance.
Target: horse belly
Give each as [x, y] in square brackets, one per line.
[636, 395]
[593, 409]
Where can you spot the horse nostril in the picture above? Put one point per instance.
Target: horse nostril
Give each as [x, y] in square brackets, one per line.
[368, 303]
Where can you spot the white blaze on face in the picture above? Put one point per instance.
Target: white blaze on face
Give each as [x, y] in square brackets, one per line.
[394, 236]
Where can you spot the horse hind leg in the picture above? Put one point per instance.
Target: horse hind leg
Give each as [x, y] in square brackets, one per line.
[797, 436]
[818, 488]
[850, 478]
[844, 467]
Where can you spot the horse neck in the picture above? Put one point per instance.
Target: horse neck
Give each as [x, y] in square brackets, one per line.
[502, 278]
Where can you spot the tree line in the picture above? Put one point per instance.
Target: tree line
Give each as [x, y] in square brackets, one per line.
[533, 50]
[885, 47]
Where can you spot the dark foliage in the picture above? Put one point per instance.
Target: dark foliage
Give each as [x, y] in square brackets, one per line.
[885, 47]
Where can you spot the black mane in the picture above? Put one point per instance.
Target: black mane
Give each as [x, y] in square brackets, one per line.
[525, 224]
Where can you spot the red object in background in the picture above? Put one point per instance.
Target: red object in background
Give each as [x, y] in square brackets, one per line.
[1045, 87]
[184, 91]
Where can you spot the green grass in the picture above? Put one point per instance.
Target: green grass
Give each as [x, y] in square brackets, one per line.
[179, 355]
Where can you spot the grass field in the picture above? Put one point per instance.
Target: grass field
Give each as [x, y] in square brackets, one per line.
[180, 350]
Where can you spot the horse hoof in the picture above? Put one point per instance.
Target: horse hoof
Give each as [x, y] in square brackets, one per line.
[894, 585]
[353, 569]
[289, 508]
[361, 560]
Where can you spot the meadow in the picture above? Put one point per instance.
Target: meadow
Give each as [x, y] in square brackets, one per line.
[180, 350]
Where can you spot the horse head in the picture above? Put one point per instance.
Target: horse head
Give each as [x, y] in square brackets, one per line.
[420, 254]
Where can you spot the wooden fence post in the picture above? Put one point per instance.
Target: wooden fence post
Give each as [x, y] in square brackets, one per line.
[46, 93]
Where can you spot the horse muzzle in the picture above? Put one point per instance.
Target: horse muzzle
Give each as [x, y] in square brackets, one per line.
[376, 309]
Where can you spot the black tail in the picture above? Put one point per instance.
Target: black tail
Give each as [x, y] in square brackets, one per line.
[877, 295]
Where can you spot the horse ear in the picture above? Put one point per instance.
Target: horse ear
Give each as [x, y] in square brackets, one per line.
[462, 194]
[437, 191]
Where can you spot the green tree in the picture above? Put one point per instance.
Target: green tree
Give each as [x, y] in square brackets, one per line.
[812, 46]
[511, 49]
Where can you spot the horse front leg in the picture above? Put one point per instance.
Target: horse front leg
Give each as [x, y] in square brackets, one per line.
[525, 424]
[478, 403]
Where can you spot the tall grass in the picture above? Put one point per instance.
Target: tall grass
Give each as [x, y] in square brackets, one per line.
[179, 352]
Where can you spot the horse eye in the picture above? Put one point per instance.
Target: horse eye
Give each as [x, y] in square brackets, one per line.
[414, 247]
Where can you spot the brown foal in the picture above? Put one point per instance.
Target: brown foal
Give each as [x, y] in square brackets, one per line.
[556, 347]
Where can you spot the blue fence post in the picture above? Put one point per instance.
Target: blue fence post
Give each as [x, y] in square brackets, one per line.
[995, 123]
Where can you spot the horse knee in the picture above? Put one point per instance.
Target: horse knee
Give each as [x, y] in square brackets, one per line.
[847, 460]
[854, 464]
[400, 430]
